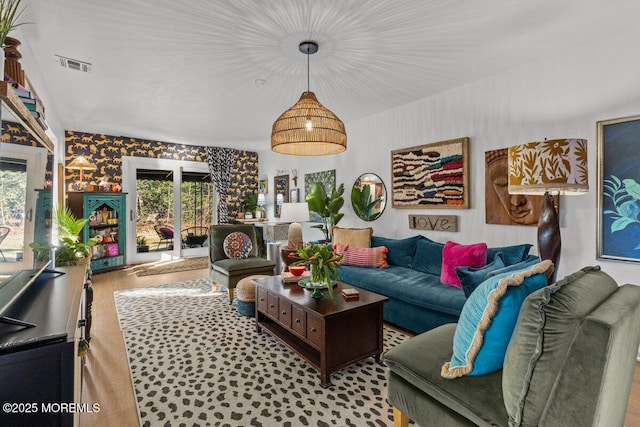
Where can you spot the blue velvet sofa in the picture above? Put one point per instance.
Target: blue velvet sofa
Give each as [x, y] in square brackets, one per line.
[418, 301]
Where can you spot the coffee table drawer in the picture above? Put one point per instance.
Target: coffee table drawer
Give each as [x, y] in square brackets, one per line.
[272, 305]
[299, 321]
[262, 299]
[284, 312]
[314, 329]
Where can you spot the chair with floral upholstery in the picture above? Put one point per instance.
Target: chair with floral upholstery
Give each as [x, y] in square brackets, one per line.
[235, 253]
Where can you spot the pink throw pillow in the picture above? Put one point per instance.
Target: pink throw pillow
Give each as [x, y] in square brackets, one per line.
[457, 255]
[362, 257]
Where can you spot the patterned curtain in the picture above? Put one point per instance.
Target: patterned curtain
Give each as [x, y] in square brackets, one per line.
[220, 162]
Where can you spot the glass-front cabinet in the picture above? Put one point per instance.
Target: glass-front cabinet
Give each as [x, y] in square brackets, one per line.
[106, 222]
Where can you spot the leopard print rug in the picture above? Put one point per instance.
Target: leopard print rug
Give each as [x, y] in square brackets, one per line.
[194, 361]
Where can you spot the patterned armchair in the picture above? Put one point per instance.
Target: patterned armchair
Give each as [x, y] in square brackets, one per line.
[226, 271]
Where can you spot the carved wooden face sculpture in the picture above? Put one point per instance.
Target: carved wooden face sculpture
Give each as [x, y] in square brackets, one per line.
[500, 206]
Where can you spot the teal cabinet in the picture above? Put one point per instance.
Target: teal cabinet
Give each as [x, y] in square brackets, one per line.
[106, 224]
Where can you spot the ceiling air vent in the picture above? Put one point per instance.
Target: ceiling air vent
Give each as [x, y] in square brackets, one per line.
[74, 64]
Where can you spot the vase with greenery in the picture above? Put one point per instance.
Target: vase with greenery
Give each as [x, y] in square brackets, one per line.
[71, 250]
[10, 18]
[322, 263]
[327, 206]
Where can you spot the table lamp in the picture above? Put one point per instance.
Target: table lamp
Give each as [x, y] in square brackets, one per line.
[80, 163]
[295, 213]
[557, 166]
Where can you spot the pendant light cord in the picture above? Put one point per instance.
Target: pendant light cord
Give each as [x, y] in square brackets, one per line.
[308, 48]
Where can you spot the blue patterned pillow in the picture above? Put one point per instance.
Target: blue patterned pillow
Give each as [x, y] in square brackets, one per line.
[488, 319]
[472, 277]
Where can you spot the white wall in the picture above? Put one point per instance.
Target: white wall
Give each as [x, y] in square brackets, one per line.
[563, 96]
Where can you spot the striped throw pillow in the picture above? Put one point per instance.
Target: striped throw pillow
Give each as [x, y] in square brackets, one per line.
[362, 257]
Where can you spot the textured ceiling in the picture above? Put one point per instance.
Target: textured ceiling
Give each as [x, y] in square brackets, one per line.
[186, 71]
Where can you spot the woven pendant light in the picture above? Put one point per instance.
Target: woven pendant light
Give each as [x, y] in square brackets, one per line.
[308, 128]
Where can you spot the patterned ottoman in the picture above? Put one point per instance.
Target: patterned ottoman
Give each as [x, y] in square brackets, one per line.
[246, 294]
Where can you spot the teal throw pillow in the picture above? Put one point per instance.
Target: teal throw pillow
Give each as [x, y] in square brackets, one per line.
[472, 277]
[531, 260]
[488, 319]
[428, 257]
[510, 254]
[401, 251]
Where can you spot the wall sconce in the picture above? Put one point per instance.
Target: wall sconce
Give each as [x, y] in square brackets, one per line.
[294, 174]
[279, 202]
[262, 202]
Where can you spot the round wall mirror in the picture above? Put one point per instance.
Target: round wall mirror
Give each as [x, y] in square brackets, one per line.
[368, 196]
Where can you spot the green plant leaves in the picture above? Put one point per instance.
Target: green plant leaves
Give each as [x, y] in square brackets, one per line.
[327, 207]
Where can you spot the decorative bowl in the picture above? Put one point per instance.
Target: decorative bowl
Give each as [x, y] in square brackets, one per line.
[297, 270]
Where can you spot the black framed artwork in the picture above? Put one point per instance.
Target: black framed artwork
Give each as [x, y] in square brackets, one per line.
[619, 189]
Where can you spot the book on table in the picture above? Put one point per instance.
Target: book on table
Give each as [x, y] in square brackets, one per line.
[350, 293]
[290, 278]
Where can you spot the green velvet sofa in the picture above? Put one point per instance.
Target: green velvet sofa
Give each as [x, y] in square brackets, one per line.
[570, 362]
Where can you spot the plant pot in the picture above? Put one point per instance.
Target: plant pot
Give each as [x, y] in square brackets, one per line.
[143, 248]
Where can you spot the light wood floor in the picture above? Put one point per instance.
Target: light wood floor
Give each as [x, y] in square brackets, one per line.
[106, 373]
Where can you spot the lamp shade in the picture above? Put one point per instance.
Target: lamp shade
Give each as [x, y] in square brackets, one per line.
[308, 129]
[81, 163]
[295, 212]
[556, 166]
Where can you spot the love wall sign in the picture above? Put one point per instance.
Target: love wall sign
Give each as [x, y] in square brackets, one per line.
[434, 222]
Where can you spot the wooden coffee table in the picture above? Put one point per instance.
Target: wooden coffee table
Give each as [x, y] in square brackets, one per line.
[329, 333]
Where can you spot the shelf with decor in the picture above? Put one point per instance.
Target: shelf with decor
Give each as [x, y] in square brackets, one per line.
[106, 222]
[14, 110]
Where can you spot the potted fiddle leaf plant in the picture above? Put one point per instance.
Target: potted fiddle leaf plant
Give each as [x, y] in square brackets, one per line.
[327, 206]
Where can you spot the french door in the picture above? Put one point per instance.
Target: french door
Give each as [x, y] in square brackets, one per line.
[170, 205]
[22, 171]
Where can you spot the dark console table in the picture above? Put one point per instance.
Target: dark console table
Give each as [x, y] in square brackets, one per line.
[40, 370]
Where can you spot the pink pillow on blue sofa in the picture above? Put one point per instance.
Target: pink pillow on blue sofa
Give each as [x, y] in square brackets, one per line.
[457, 255]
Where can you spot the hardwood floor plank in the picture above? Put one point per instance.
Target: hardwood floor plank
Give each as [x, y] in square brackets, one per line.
[106, 377]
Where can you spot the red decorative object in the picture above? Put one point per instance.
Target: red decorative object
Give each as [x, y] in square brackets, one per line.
[297, 270]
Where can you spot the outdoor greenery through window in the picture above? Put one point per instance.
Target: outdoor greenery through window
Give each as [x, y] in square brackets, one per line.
[13, 188]
[155, 208]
